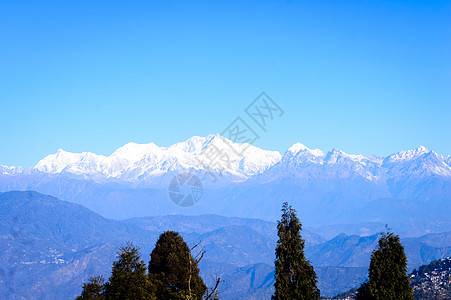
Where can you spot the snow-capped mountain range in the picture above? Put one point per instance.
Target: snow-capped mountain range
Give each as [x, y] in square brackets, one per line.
[410, 190]
[144, 163]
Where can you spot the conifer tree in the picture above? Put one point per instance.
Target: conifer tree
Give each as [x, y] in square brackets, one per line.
[295, 276]
[363, 292]
[94, 289]
[173, 270]
[388, 277]
[128, 279]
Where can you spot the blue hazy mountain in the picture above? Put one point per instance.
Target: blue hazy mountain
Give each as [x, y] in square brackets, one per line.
[410, 190]
[50, 247]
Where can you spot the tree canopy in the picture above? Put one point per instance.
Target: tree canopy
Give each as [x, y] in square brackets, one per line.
[128, 279]
[173, 269]
[388, 272]
[295, 276]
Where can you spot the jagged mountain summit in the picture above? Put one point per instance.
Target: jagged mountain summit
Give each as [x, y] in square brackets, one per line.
[145, 163]
[410, 190]
[5, 170]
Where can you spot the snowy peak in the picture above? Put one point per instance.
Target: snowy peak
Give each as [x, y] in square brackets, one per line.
[301, 162]
[237, 159]
[419, 162]
[407, 155]
[195, 144]
[55, 163]
[145, 163]
[334, 156]
[301, 148]
[137, 162]
[338, 156]
[297, 147]
[299, 153]
[421, 149]
[5, 170]
[134, 152]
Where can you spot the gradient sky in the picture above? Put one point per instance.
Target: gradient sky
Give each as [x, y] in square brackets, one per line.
[363, 76]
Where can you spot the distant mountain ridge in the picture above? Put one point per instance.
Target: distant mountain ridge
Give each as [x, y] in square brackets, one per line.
[50, 247]
[141, 163]
[410, 190]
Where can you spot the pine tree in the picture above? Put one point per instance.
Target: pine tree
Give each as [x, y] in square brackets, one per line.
[173, 269]
[388, 272]
[94, 289]
[295, 276]
[363, 292]
[128, 279]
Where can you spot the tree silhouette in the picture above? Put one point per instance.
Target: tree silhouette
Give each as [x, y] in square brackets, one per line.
[295, 276]
[388, 272]
[94, 289]
[128, 279]
[173, 269]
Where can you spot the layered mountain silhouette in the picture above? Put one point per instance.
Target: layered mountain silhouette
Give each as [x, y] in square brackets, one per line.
[410, 190]
[50, 247]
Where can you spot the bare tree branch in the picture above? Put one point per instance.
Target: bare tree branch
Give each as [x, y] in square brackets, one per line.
[211, 294]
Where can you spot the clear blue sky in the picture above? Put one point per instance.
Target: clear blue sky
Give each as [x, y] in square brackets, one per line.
[363, 76]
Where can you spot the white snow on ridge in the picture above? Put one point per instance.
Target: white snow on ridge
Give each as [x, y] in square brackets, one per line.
[337, 156]
[143, 162]
[69, 162]
[407, 155]
[5, 170]
[134, 161]
[303, 163]
[298, 147]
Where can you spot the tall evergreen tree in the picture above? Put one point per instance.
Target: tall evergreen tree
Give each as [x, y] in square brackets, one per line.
[295, 276]
[388, 272]
[173, 269]
[363, 293]
[128, 279]
[94, 289]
